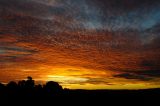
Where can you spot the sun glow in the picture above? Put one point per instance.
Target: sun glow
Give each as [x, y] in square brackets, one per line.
[66, 79]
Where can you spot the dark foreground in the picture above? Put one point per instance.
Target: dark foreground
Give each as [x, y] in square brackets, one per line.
[84, 97]
[27, 93]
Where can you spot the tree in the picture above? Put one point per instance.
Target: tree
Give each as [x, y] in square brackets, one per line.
[53, 88]
[29, 83]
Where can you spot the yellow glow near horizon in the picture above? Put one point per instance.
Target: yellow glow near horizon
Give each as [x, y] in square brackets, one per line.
[78, 78]
[77, 71]
[66, 79]
[70, 75]
[114, 87]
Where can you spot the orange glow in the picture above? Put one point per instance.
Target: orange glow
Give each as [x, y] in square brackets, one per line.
[66, 79]
[78, 65]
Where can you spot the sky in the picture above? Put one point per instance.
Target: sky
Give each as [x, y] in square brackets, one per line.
[82, 44]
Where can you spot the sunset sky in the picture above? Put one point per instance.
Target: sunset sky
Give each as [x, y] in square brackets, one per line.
[82, 44]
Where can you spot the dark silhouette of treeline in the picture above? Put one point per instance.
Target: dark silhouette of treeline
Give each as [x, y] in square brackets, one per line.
[28, 92]
[29, 88]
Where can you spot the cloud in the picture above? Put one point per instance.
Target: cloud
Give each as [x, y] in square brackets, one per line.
[153, 64]
[89, 15]
[133, 76]
[149, 73]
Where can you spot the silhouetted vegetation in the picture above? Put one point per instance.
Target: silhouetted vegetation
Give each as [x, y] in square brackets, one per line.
[28, 92]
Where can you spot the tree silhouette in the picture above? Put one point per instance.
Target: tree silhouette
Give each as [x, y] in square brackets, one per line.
[12, 85]
[53, 88]
[1, 86]
[29, 83]
[12, 88]
[22, 84]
